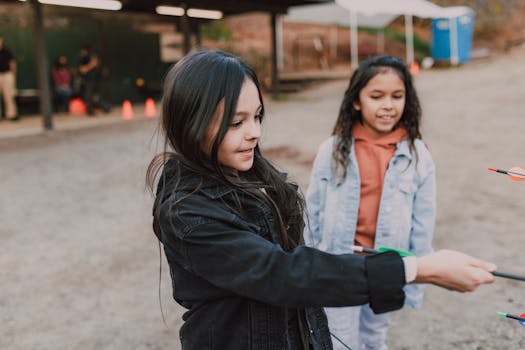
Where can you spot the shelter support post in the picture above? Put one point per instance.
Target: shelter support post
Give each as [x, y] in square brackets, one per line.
[275, 72]
[279, 39]
[185, 26]
[42, 64]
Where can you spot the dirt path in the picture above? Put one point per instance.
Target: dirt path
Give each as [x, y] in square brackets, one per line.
[79, 264]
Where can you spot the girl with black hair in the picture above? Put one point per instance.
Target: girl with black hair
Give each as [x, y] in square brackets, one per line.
[231, 226]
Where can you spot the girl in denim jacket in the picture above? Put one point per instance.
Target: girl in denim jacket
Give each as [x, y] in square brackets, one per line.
[373, 185]
[231, 226]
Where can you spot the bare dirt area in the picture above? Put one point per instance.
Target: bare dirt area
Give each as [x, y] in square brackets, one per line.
[80, 265]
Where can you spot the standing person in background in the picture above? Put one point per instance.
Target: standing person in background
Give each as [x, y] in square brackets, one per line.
[231, 225]
[8, 81]
[373, 185]
[61, 76]
[89, 71]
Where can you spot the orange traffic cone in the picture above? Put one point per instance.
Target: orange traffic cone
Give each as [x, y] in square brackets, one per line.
[414, 68]
[149, 109]
[127, 110]
[77, 106]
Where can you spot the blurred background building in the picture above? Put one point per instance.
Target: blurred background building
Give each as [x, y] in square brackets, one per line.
[137, 43]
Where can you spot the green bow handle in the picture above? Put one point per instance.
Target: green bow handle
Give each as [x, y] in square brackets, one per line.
[357, 248]
[398, 251]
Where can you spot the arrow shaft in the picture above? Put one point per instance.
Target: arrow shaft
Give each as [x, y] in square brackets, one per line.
[507, 172]
[515, 317]
[509, 275]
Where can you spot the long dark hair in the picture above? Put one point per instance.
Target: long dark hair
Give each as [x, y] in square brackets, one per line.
[193, 89]
[348, 115]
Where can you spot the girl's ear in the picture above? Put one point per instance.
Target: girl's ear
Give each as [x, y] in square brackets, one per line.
[356, 105]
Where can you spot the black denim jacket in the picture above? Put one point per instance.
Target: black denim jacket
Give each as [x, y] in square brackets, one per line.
[240, 287]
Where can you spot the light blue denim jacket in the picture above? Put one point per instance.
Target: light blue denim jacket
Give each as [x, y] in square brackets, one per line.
[407, 210]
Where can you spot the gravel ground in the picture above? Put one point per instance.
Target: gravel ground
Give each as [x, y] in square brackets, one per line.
[80, 265]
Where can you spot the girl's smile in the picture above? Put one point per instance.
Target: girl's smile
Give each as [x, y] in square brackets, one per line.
[386, 118]
[246, 155]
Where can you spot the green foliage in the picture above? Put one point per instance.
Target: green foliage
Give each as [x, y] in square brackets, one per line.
[420, 45]
[217, 31]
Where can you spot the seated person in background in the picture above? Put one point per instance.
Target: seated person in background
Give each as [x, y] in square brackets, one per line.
[61, 76]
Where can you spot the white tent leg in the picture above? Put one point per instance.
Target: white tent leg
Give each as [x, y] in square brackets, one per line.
[454, 50]
[353, 39]
[409, 36]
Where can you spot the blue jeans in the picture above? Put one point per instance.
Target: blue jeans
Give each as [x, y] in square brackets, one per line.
[358, 328]
[63, 94]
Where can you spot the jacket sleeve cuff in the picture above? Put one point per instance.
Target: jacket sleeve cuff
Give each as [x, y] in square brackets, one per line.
[386, 278]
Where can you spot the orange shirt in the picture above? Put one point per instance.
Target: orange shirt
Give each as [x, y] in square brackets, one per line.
[373, 156]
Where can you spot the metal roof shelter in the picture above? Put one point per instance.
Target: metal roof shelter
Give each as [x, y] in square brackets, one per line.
[227, 7]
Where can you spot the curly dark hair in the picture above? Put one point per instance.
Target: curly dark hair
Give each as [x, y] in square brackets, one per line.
[348, 115]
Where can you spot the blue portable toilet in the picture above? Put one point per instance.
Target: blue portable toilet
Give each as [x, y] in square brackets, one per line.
[452, 35]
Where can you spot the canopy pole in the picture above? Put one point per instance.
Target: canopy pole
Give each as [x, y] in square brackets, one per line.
[409, 36]
[333, 41]
[274, 68]
[279, 38]
[353, 39]
[454, 51]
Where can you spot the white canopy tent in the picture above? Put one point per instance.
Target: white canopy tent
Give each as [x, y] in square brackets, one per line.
[379, 14]
[333, 13]
[409, 8]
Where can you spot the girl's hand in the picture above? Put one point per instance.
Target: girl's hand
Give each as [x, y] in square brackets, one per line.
[454, 270]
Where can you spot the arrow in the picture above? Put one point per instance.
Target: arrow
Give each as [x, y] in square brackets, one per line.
[515, 173]
[514, 317]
